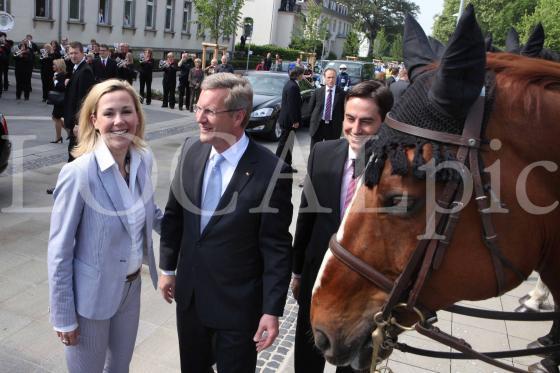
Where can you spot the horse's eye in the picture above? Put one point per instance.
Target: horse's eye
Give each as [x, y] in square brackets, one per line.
[400, 204]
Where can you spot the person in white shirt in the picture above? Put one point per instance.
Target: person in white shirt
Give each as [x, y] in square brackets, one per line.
[101, 233]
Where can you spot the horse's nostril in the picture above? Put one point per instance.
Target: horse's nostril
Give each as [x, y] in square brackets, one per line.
[321, 340]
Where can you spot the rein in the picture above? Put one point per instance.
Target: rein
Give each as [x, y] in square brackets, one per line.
[429, 253]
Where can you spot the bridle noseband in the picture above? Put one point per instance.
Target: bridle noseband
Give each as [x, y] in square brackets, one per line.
[429, 253]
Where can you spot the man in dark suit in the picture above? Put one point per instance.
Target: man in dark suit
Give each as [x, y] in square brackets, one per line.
[329, 186]
[290, 115]
[327, 110]
[225, 233]
[104, 67]
[76, 90]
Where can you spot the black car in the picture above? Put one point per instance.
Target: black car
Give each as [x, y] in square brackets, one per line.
[357, 70]
[267, 100]
[5, 145]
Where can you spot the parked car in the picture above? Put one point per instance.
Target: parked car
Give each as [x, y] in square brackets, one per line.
[5, 145]
[267, 99]
[357, 70]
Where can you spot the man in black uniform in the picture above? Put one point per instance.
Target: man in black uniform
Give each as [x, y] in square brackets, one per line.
[185, 65]
[169, 81]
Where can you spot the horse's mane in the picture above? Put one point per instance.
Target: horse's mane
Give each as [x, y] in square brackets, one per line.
[525, 79]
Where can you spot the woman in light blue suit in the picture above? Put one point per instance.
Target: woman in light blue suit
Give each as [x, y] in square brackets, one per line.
[101, 233]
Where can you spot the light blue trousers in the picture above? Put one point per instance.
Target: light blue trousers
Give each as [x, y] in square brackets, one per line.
[107, 345]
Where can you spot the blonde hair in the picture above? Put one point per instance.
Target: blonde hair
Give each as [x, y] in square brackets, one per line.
[60, 65]
[87, 135]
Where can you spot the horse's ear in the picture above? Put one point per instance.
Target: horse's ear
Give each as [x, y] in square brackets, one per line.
[512, 41]
[460, 76]
[417, 52]
[437, 47]
[535, 44]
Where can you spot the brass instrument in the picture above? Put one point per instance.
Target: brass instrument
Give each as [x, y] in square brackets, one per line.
[7, 22]
[16, 51]
[142, 57]
[121, 62]
[44, 54]
[163, 64]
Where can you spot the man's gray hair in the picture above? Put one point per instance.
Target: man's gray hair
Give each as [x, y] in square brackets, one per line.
[240, 92]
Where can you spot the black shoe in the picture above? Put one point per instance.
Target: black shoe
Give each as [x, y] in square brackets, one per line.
[44, 100]
[164, 105]
[26, 98]
[172, 106]
[544, 366]
[181, 108]
[148, 102]
[59, 140]
[292, 170]
[50, 190]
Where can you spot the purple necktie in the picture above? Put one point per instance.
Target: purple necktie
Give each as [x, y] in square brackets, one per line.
[327, 116]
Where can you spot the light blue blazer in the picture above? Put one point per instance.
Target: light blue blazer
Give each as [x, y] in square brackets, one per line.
[90, 239]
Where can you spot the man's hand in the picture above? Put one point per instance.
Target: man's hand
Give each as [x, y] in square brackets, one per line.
[166, 284]
[295, 125]
[69, 338]
[267, 332]
[296, 284]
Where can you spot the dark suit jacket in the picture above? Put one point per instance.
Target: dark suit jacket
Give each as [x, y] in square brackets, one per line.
[290, 112]
[314, 229]
[76, 90]
[104, 72]
[317, 104]
[238, 268]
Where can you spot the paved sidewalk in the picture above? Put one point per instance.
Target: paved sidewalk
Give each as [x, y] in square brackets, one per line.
[28, 344]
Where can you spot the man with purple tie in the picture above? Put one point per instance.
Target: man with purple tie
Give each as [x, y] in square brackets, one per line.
[327, 110]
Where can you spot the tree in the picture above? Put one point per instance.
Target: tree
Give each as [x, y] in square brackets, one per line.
[314, 29]
[397, 48]
[219, 17]
[372, 15]
[494, 16]
[352, 44]
[380, 44]
[547, 12]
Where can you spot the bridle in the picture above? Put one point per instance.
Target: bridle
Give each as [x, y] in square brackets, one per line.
[429, 254]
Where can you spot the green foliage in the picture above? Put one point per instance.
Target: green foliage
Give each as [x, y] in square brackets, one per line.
[494, 16]
[380, 44]
[373, 15]
[219, 17]
[314, 29]
[397, 48]
[260, 51]
[351, 45]
[548, 13]
[332, 56]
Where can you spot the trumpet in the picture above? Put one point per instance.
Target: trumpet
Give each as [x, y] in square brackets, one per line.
[142, 57]
[163, 64]
[120, 62]
[16, 51]
[44, 54]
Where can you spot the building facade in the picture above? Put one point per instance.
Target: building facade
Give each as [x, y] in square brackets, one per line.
[162, 25]
[273, 25]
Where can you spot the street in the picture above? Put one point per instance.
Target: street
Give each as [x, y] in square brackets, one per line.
[27, 341]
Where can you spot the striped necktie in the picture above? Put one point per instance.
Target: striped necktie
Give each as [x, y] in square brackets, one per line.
[327, 116]
[351, 189]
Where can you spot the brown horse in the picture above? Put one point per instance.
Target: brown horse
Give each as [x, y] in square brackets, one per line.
[522, 111]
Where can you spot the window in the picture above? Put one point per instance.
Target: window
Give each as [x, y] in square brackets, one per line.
[150, 14]
[42, 8]
[104, 15]
[187, 6]
[169, 5]
[129, 11]
[75, 10]
[5, 6]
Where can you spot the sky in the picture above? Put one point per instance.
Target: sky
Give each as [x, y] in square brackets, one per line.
[428, 9]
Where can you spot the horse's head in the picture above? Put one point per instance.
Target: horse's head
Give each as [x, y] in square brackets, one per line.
[386, 215]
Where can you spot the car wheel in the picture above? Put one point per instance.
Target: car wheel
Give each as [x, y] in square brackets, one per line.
[276, 131]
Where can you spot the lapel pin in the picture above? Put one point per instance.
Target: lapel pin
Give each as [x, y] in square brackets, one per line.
[247, 173]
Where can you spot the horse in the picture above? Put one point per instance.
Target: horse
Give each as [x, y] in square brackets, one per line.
[394, 210]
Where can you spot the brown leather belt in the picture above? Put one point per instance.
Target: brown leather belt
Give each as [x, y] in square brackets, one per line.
[131, 277]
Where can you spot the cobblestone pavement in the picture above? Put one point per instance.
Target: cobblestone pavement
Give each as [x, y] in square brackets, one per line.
[27, 342]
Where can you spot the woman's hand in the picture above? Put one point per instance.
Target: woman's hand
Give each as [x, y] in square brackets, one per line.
[69, 338]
